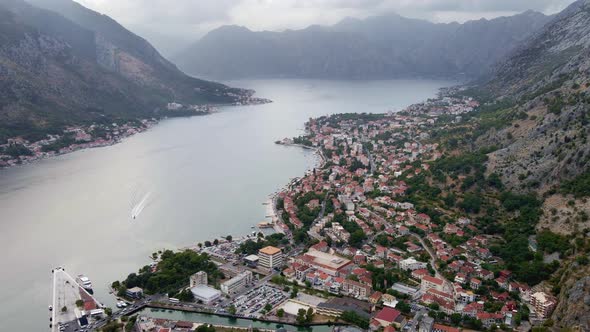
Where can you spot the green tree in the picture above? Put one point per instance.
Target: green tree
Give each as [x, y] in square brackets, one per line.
[15, 150]
[301, 316]
[173, 271]
[456, 319]
[309, 315]
[403, 307]
[280, 313]
[112, 326]
[354, 318]
[186, 296]
[471, 203]
[434, 306]
[356, 238]
[122, 291]
[130, 324]
[268, 307]
[232, 309]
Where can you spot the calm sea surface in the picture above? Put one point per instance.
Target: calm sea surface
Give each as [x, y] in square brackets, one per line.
[187, 180]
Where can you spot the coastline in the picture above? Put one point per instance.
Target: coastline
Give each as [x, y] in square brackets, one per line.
[84, 140]
[79, 146]
[323, 162]
[298, 166]
[282, 227]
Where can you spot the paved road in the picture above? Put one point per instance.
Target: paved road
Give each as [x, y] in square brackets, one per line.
[65, 295]
[319, 217]
[432, 260]
[94, 326]
[371, 162]
[66, 292]
[164, 299]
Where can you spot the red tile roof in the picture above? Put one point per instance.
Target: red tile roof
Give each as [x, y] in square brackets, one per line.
[440, 327]
[388, 314]
[89, 305]
[389, 329]
[433, 280]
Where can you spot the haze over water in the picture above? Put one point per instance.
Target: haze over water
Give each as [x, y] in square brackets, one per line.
[186, 180]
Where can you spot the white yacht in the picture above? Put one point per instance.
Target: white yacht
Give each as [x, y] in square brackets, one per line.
[83, 281]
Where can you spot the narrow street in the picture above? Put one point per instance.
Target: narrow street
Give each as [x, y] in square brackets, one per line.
[448, 284]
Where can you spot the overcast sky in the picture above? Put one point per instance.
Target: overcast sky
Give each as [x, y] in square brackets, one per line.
[172, 24]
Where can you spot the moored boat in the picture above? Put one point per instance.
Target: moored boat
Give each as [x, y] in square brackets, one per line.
[85, 283]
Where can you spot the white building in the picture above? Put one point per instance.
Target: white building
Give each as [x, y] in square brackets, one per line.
[411, 264]
[199, 278]
[237, 283]
[205, 294]
[270, 257]
[543, 304]
[429, 282]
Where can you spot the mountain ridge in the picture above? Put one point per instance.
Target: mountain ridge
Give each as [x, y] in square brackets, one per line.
[56, 73]
[389, 46]
[535, 115]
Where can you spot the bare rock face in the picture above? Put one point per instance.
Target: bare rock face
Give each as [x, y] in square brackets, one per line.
[560, 49]
[562, 217]
[544, 139]
[544, 148]
[64, 64]
[573, 309]
[115, 59]
[106, 53]
[548, 79]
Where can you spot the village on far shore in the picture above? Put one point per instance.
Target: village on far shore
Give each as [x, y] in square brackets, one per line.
[19, 150]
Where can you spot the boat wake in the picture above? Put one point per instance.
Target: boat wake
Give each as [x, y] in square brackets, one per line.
[136, 211]
[140, 200]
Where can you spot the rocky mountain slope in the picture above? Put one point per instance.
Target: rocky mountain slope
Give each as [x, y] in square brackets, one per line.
[537, 116]
[545, 86]
[376, 47]
[55, 72]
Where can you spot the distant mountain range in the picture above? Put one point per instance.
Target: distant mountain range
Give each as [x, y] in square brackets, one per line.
[61, 64]
[389, 46]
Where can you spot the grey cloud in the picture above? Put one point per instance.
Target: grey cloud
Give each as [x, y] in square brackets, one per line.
[493, 6]
[331, 4]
